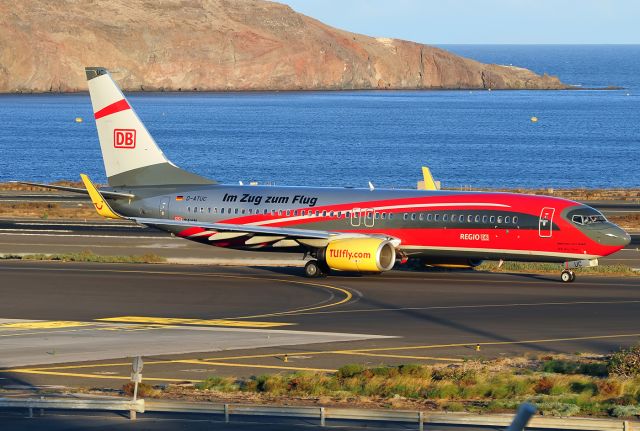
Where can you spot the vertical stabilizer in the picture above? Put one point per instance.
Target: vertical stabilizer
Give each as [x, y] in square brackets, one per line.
[131, 156]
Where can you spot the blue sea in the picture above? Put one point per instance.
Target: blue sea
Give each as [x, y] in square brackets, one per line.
[588, 138]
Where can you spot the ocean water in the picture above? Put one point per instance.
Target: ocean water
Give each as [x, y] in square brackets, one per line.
[587, 138]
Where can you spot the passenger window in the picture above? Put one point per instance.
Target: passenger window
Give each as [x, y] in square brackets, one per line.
[390, 216]
[484, 219]
[461, 218]
[189, 210]
[492, 219]
[288, 213]
[209, 210]
[405, 216]
[413, 216]
[383, 216]
[421, 216]
[453, 217]
[499, 219]
[243, 211]
[429, 217]
[250, 210]
[436, 217]
[377, 216]
[221, 210]
[515, 219]
[477, 218]
[469, 218]
[331, 214]
[235, 211]
[280, 213]
[295, 213]
[317, 213]
[215, 210]
[507, 219]
[347, 214]
[445, 218]
[324, 213]
[339, 214]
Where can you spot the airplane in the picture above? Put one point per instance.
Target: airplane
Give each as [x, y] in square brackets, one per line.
[335, 229]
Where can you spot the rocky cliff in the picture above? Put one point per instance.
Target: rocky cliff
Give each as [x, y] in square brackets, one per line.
[220, 45]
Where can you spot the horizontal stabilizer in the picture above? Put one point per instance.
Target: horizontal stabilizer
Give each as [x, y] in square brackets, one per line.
[104, 193]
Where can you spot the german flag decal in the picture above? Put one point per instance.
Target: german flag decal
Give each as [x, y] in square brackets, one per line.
[179, 198]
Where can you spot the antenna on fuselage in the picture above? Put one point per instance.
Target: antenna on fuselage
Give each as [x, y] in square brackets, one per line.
[371, 187]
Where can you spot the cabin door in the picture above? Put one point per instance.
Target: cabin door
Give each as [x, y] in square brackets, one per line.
[545, 224]
[355, 217]
[164, 208]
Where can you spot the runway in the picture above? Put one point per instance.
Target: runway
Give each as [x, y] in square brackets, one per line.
[193, 321]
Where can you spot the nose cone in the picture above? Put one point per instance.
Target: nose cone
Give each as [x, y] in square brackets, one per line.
[614, 236]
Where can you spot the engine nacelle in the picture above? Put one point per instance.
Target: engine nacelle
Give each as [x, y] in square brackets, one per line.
[360, 254]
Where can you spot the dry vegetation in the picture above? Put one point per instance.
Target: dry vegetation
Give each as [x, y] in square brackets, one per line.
[47, 210]
[558, 385]
[88, 256]
[26, 188]
[555, 268]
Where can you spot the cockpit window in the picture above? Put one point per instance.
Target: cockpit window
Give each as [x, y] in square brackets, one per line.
[585, 219]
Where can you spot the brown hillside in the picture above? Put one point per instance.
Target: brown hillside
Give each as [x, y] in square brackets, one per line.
[220, 45]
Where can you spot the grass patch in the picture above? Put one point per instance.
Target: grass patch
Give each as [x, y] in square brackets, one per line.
[554, 268]
[88, 256]
[46, 210]
[556, 385]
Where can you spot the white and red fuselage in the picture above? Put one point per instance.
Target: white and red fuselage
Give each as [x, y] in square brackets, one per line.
[436, 225]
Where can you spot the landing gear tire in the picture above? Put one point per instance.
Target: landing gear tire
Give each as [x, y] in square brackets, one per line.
[567, 276]
[314, 269]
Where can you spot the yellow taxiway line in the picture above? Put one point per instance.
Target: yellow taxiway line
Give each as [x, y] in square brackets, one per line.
[195, 322]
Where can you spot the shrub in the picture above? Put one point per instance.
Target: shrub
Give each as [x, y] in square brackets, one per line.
[609, 388]
[414, 370]
[454, 406]
[555, 408]
[387, 372]
[625, 411]
[221, 384]
[144, 390]
[349, 370]
[597, 369]
[625, 362]
[543, 386]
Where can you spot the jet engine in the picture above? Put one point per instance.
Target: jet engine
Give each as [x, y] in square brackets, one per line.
[360, 254]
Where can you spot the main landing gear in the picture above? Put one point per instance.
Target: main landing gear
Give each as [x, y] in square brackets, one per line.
[567, 276]
[315, 269]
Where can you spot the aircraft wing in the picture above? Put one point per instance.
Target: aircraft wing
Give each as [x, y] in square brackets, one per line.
[227, 227]
[77, 190]
[255, 235]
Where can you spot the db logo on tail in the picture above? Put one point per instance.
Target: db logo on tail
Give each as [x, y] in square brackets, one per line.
[124, 138]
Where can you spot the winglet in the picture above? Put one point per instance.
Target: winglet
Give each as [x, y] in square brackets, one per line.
[427, 178]
[101, 205]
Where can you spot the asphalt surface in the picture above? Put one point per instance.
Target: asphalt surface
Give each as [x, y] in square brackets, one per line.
[428, 317]
[68, 420]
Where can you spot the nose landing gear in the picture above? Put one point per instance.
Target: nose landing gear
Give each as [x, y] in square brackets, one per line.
[567, 276]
